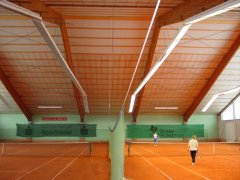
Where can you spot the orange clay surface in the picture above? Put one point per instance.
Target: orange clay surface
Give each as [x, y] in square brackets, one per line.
[149, 162]
[88, 167]
[146, 162]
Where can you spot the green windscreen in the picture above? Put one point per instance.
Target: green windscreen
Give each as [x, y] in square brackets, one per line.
[56, 130]
[164, 131]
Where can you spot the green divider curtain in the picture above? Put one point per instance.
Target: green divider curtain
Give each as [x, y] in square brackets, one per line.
[56, 130]
[164, 131]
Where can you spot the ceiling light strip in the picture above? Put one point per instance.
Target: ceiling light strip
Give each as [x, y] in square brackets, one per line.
[230, 91]
[19, 9]
[159, 62]
[166, 108]
[140, 56]
[37, 19]
[210, 103]
[50, 107]
[224, 7]
[47, 37]
[216, 96]
[132, 103]
[167, 52]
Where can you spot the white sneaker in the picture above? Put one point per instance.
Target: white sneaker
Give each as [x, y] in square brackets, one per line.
[193, 164]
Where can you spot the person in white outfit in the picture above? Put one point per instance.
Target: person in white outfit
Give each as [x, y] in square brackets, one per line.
[193, 148]
[155, 138]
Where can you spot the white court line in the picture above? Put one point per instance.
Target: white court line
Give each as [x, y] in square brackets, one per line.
[65, 167]
[37, 168]
[176, 163]
[229, 158]
[13, 171]
[152, 165]
[68, 164]
[44, 164]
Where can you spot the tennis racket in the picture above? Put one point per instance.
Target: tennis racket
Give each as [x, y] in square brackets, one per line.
[198, 154]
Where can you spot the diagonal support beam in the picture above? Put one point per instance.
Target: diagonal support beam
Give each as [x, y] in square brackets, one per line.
[70, 64]
[37, 19]
[178, 14]
[155, 36]
[187, 9]
[15, 95]
[226, 59]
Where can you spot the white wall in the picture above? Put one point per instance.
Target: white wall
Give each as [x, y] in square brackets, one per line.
[229, 130]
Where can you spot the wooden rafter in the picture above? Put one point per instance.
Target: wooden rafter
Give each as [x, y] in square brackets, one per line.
[70, 64]
[226, 59]
[179, 13]
[186, 10]
[51, 16]
[147, 69]
[39, 7]
[15, 95]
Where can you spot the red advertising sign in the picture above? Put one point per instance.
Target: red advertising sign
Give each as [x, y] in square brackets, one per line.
[54, 118]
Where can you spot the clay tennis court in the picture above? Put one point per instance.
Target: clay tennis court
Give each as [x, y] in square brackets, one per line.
[83, 82]
[142, 161]
[172, 161]
[72, 163]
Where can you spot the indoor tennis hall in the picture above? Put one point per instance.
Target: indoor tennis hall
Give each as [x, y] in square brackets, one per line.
[119, 89]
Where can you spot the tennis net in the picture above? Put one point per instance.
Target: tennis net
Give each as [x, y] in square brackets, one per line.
[181, 148]
[46, 149]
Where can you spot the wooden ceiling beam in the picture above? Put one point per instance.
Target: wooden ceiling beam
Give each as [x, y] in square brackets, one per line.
[183, 11]
[39, 7]
[138, 101]
[51, 16]
[68, 52]
[187, 9]
[226, 59]
[12, 91]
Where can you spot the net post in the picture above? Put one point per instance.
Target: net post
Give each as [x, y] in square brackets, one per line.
[90, 146]
[2, 149]
[129, 144]
[214, 148]
[30, 128]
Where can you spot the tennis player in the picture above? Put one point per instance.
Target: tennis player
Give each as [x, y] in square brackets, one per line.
[155, 138]
[193, 148]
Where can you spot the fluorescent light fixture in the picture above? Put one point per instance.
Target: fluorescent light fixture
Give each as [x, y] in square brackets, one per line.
[133, 97]
[37, 20]
[230, 91]
[181, 32]
[50, 107]
[143, 47]
[224, 7]
[166, 108]
[210, 103]
[159, 62]
[219, 94]
[51, 44]
[149, 29]
[19, 9]
[85, 103]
